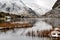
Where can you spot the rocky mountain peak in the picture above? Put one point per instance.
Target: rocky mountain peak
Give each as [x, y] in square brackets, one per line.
[16, 7]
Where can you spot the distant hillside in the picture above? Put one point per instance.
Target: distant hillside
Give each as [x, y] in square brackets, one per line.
[55, 12]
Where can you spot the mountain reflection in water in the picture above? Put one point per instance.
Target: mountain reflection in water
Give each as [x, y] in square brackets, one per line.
[18, 34]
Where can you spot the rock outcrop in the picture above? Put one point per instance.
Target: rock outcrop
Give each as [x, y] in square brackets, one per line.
[56, 4]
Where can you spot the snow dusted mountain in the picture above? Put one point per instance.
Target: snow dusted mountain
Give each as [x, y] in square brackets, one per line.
[16, 7]
[11, 6]
[55, 12]
[26, 8]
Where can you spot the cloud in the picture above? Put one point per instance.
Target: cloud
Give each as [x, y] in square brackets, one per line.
[44, 3]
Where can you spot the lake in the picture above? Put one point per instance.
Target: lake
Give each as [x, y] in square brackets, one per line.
[41, 24]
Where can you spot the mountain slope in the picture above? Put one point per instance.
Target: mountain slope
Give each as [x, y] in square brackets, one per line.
[16, 7]
[55, 12]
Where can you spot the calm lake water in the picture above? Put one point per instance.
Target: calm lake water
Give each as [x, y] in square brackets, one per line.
[20, 37]
[19, 34]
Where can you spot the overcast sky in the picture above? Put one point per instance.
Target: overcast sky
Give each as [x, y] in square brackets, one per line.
[44, 3]
[40, 6]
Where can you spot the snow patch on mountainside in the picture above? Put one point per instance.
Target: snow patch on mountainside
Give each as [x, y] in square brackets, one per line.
[15, 6]
[21, 6]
